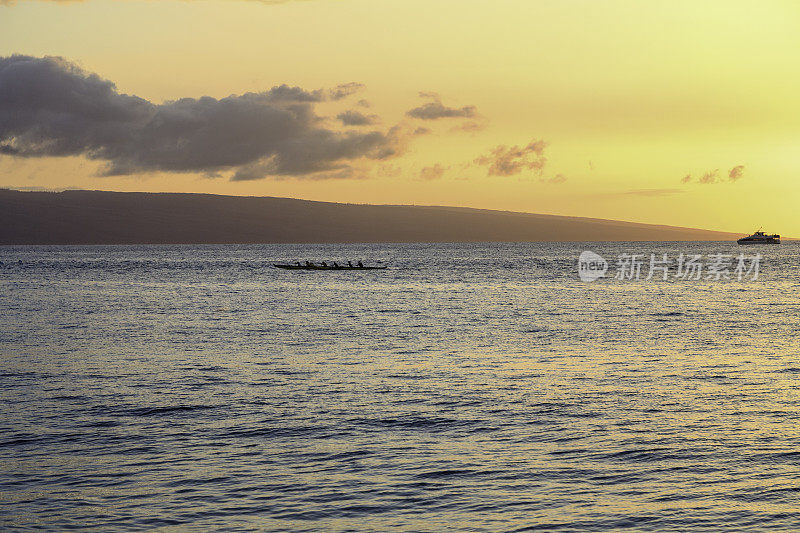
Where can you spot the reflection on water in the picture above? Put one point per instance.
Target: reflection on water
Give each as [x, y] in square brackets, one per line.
[468, 387]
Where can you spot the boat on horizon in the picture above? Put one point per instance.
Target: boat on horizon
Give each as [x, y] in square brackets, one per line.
[760, 237]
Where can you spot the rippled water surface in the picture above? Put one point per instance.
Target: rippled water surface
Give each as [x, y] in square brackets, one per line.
[467, 387]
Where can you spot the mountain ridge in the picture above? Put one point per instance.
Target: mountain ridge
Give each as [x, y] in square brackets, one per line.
[108, 217]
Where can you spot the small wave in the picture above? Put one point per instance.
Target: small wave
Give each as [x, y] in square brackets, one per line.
[623, 478]
[408, 376]
[20, 441]
[167, 410]
[209, 368]
[101, 424]
[317, 432]
[582, 414]
[78, 397]
[355, 454]
[444, 474]
[414, 422]
[644, 455]
[549, 407]
[284, 372]
[53, 438]
[570, 452]
[789, 457]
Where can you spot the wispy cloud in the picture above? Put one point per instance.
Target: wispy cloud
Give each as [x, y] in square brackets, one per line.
[435, 109]
[709, 177]
[714, 176]
[736, 172]
[344, 90]
[471, 126]
[558, 178]
[431, 173]
[511, 160]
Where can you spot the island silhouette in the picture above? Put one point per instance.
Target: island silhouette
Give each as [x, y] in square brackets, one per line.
[104, 217]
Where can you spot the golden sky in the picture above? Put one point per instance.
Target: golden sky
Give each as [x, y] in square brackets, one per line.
[574, 107]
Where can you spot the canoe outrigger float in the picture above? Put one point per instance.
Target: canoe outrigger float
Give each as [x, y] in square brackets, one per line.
[327, 267]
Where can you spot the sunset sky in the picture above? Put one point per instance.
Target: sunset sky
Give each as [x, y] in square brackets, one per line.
[684, 113]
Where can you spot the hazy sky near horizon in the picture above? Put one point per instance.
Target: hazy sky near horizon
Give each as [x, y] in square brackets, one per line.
[683, 113]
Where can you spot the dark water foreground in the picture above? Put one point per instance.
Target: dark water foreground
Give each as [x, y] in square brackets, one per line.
[468, 387]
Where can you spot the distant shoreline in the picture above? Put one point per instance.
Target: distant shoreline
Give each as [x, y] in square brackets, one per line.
[103, 217]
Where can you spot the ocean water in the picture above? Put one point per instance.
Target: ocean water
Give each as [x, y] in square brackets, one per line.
[468, 387]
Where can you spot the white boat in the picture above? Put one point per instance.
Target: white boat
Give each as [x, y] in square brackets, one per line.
[760, 237]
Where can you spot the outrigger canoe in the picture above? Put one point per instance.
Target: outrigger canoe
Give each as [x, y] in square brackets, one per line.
[329, 267]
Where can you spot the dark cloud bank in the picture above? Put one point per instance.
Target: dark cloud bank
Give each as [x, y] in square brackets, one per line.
[51, 107]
